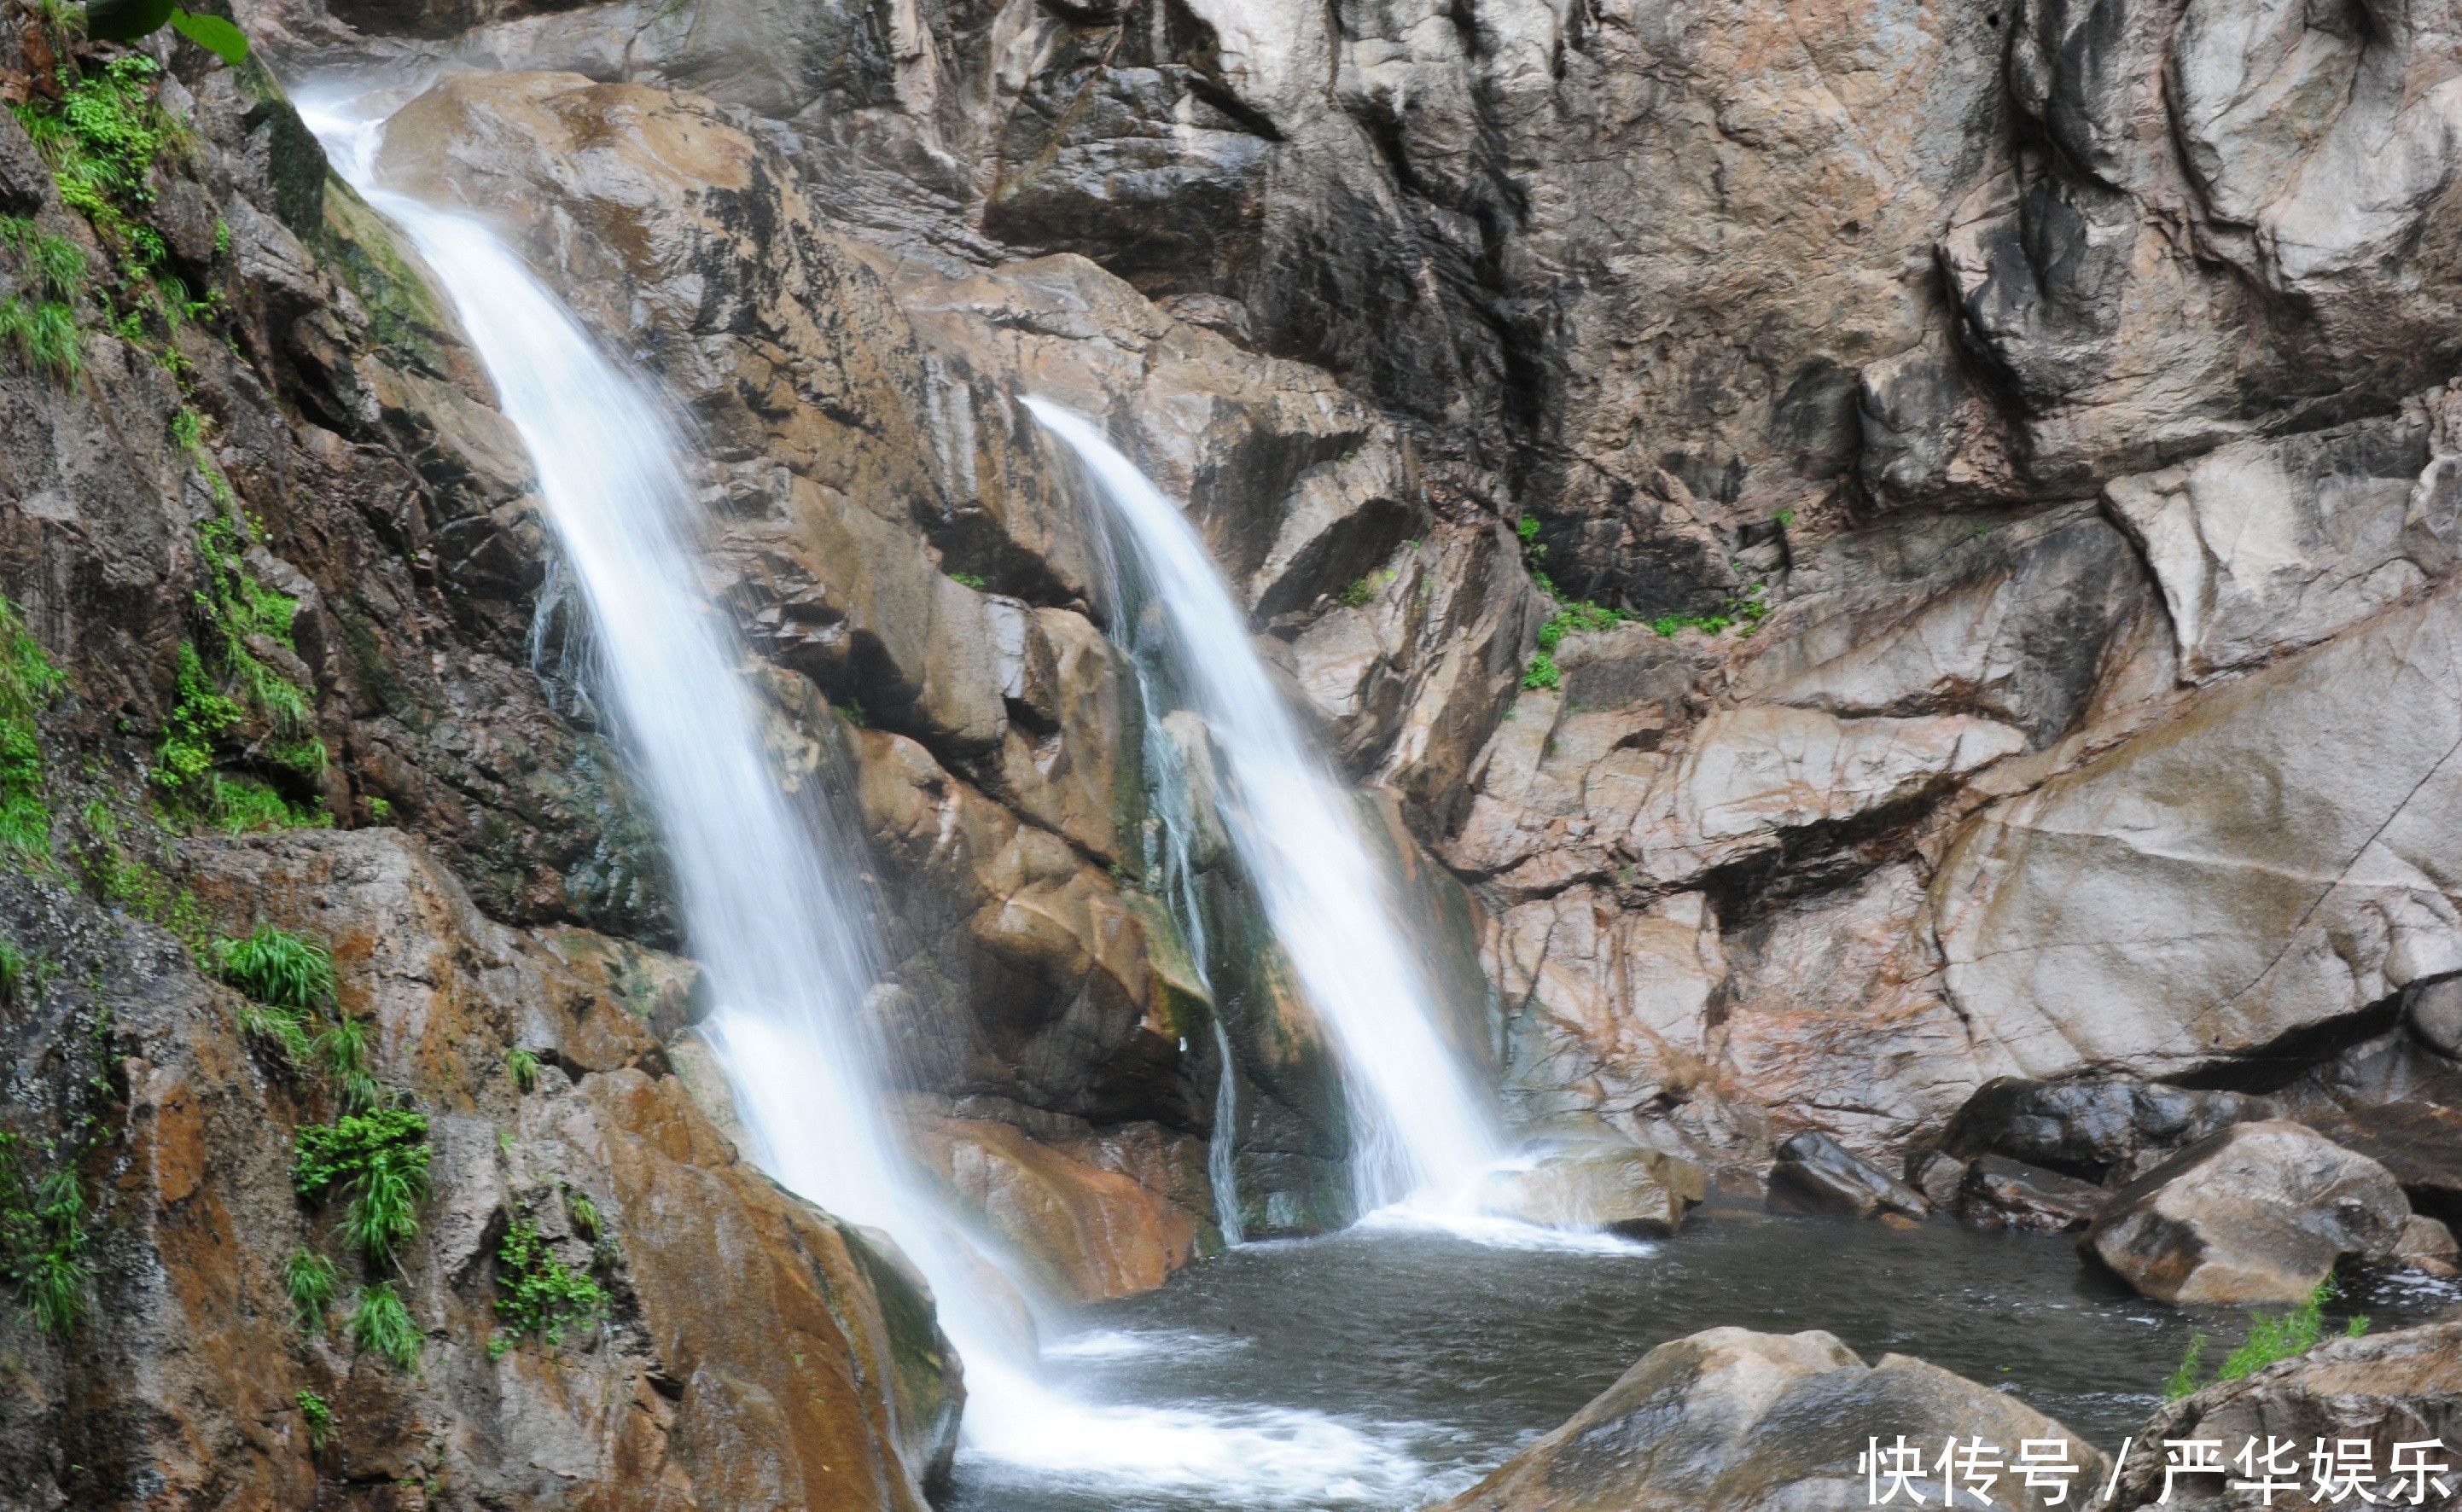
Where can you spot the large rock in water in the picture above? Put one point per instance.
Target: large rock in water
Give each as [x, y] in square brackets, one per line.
[1815, 1174]
[1618, 1188]
[1730, 1419]
[2259, 1213]
[2382, 1389]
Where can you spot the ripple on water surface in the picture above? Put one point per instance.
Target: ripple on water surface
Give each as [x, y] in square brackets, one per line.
[1390, 1367]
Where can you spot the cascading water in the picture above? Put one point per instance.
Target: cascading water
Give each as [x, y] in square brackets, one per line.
[1417, 1121]
[785, 950]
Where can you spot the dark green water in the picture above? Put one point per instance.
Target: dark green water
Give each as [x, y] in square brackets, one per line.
[1400, 1366]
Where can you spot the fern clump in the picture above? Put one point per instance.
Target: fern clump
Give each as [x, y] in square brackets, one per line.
[377, 1159]
[539, 1295]
[319, 1414]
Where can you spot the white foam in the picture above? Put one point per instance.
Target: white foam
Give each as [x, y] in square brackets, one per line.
[1259, 1456]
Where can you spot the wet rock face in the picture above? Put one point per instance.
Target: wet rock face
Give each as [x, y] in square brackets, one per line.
[1730, 1419]
[681, 1397]
[347, 422]
[2262, 1212]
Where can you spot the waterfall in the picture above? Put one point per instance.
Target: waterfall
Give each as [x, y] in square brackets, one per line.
[1418, 1124]
[785, 947]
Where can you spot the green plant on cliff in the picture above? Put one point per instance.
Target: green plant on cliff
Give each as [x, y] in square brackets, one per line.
[319, 1414]
[1747, 609]
[43, 318]
[43, 1239]
[378, 1160]
[522, 1065]
[28, 682]
[45, 334]
[100, 139]
[219, 687]
[120, 873]
[311, 1284]
[539, 1295]
[343, 1048]
[381, 1326]
[1541, 672]
[1578, 617]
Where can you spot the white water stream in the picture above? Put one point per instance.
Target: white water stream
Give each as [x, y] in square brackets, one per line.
[1418, 1125]
[784, 944]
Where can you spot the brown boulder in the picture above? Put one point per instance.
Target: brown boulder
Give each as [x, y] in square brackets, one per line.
[1088, 1231]
[2259, 1213]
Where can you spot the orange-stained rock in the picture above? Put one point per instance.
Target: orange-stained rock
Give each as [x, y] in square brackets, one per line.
[757, 1351]
[1084, 1218]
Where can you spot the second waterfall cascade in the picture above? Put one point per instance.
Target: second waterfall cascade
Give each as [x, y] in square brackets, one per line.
[1418, 1124]
[784, 941]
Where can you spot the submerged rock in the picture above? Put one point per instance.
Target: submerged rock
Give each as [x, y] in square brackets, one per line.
[1619, 1188]
[1730, 1419]
[2259, 1213]
[1815, 1174]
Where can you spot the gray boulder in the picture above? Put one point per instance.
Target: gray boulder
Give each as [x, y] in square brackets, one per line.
[1733, 1419]
[2087, 1126]
[2436, 1015]
[2262, 1212]
[1816, 1174]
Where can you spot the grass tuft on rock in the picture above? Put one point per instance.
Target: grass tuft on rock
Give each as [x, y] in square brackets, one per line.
[381, 1326]
[277, 968]
[2272, 1338]
[28, 682]
[311, 1284]
[43, 1241]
